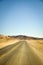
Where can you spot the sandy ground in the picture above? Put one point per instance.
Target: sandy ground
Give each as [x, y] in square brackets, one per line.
[4, 44]
[37, 46]
[20, 53]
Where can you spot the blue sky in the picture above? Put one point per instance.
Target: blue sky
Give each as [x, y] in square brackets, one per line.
[21, 17]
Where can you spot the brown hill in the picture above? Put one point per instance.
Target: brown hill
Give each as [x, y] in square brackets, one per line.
[23, 37]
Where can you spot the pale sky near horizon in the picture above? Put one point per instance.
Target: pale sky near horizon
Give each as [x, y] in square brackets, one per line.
[21, 17]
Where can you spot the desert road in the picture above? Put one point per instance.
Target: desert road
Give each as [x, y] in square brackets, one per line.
[19, 53]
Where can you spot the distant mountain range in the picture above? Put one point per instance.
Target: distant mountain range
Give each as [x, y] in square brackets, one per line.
[21, 37]
[25, 37]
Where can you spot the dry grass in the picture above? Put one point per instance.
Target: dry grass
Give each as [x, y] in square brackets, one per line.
[4, 42]
[37, 46]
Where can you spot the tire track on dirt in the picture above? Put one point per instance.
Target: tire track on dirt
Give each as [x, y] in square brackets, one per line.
[20, 54]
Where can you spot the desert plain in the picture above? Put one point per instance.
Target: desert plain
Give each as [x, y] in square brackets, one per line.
[21, 50]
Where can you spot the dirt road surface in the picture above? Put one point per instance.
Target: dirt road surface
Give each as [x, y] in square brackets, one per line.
[19, 53]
